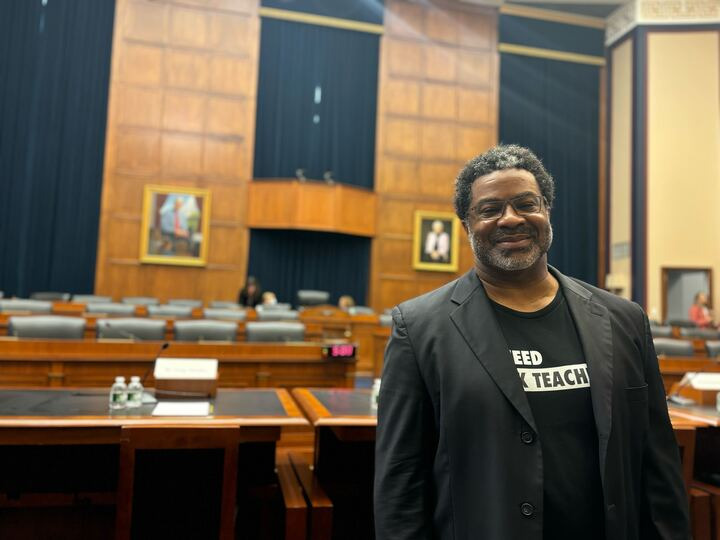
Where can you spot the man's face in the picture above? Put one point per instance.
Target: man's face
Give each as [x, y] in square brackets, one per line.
[513, 241]
[437, 226]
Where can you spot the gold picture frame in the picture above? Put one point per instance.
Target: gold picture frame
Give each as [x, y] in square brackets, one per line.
[175, 225]
[436, 241]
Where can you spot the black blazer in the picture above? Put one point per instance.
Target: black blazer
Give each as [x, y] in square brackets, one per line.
[453, 459]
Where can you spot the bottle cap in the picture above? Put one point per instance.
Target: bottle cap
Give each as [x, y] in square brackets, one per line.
[119, 379]
[134, 378]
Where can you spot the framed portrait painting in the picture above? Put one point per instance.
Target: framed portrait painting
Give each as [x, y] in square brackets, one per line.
[175, 225]
[436, 239]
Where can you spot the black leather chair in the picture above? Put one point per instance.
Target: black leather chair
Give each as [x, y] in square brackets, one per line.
[110, 308]
[661, 331]
[131, 328]
[167, 310]
[140, 300]
[673, 347]
[274, 331]
[91, 299]
[713, 348]
[386, 320]
[277, 315]
[185, 302]
[50, 296]
[205, 330]
[308, 297]
[47, 326]
[22, 304]
[700, 333]
[225, 314]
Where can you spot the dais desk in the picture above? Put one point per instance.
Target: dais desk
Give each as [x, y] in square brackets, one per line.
[344, 421]
[89, 362]
[137, 474]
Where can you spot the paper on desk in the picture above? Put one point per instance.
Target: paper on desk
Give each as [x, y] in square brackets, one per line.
[182, 408]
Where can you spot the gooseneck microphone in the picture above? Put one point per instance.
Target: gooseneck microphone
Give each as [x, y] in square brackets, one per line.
[675, 397]
[164, 346]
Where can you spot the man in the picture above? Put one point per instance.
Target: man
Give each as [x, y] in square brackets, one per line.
[437, 243]
[517, 403]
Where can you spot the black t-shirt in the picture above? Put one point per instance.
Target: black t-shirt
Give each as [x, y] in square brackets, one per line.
[547, 353]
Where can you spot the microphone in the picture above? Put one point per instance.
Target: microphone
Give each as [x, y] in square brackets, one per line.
[164, 346]
[675, 398]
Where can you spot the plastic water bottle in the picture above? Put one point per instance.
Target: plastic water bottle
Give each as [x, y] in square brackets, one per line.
[118, 394]
[134, 393]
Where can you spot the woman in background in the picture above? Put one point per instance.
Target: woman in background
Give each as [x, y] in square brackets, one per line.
[251, 294]
[699, 312]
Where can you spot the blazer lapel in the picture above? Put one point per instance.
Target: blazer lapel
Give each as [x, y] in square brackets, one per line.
[592, 321]
[475, 320]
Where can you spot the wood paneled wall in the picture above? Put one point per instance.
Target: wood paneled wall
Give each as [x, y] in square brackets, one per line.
[181, 113]
[437, 108]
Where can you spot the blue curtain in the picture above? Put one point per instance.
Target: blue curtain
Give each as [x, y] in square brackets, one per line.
[317, 100]
[552, 108]
[287, 260]
[54, 75]
[369, 11]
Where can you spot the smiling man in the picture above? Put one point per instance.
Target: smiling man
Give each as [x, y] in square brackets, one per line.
[519, 403]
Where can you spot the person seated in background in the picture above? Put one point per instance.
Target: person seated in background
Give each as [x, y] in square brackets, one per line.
[269, 298]
[699, 312]
[251, 294]
[345, 302]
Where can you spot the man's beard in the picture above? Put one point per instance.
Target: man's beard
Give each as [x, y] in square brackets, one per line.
[512, 260]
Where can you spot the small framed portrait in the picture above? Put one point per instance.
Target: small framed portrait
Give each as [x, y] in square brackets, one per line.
[175, 225]
[436, 241]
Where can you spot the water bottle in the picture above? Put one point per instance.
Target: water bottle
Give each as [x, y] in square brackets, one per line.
[134, 393]
[118, 394]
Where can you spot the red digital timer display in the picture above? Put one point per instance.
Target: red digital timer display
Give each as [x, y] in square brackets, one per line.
[343, 350]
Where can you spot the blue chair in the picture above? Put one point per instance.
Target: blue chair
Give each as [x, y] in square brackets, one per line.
[47, 327]
[166, 310]
[131, 328]
[274, 331]
[110, 308]
[21, 304]
[673, 347]
[226, 314]
[205, 330]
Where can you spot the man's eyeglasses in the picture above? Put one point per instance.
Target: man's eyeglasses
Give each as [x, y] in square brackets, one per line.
[522, 205]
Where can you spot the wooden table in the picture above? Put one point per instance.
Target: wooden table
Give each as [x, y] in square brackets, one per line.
[704, 471]
[344, 421]
[673, 368]
[89, 362]
[127, 470]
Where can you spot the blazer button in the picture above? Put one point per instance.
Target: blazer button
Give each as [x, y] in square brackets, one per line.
[527, 437]
[527, 509]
